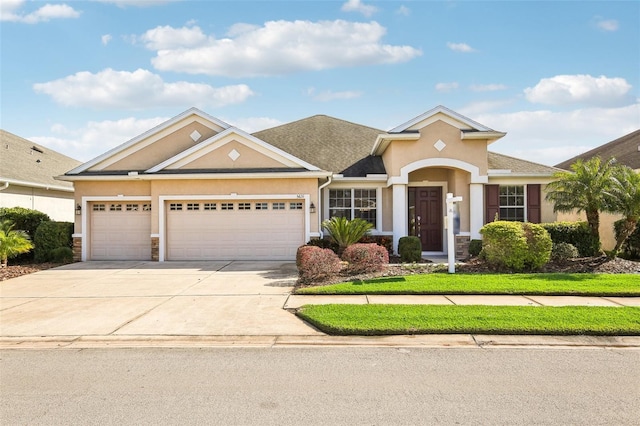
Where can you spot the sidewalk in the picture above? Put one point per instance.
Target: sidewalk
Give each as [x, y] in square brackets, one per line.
[295, 301]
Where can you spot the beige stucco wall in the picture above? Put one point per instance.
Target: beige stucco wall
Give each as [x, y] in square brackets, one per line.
[219, 159]
[607, 233]
[400, 153]
[58, 205]
[162, 149]
[156, 188]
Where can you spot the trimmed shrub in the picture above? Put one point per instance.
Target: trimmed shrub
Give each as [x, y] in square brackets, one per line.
[576, 233]
[26, 220]
[365, 258]
[324, 243]
[515, 246]
[315, 263]
[539, 246]
[475, 247]
[50, 236]
[631, 247]
[62, 255]
[410, 249]
[381, 240]
[563, 251]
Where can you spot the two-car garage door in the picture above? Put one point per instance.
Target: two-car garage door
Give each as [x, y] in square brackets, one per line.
[199, 230]
[234, 230]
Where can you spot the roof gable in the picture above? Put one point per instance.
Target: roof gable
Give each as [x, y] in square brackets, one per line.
[211, 153]
[440, 113]
[27, 163]
[626, 150]
[110, 159]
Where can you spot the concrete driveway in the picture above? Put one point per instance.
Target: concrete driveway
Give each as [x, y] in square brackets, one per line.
[152, 299]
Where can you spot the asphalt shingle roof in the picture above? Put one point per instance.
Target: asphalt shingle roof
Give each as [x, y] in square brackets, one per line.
[517, 165]
[329, 143]
[626, 150]
[23, 160]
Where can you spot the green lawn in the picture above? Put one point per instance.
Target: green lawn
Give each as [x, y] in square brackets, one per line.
[526, 284]
[439, 319]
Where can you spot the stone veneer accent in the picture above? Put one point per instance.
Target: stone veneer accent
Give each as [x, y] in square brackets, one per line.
[155, 249]
[462, 247]
[77, 249]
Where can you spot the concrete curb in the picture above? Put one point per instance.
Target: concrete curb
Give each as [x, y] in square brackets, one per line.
[405, 341]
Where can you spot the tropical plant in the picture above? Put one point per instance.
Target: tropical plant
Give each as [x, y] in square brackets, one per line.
[346, 232]
[12, 242]
[624, 198]
[584, 188]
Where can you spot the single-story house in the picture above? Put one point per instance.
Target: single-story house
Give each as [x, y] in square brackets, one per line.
[626, 151]
[27, 172]
[196, 188]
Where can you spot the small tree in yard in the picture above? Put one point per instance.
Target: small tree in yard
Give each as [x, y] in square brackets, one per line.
[12, 242]
[624, 198]
[584, 188]
[346, 232]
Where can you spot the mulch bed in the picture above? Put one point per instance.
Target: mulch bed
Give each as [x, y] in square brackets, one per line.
[596, 265]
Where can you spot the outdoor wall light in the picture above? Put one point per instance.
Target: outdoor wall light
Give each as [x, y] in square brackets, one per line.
[78, 209]
[312, 208]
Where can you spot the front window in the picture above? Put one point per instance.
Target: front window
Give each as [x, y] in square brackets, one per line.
[512, 203]
[353, 203]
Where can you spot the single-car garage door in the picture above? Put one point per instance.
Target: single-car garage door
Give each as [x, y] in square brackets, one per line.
[120, 231]
[234, 230]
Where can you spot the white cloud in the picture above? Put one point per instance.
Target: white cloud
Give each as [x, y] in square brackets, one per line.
[10, 11]
[358, 6]
[584, 89]
[447, 87]
[138, 89]
[96, 137]
[403, 10]
[607, 24]
[551, 137]
[329, 95]
[106, 39]
[166, 37]
[487, 87]
[279, 47]
[460, 47]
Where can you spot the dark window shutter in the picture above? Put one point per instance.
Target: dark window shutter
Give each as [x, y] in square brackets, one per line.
[534, 204]
[492, 202]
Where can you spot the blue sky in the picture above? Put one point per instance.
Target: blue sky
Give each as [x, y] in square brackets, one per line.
[81, 77]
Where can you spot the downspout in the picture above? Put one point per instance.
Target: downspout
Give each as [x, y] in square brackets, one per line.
[5, 186]
[320, 188]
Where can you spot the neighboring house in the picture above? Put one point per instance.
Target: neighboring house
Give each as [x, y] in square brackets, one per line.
[27, 173]
[626, 150]
[196, 188]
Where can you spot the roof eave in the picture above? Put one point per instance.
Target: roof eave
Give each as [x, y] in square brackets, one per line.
[207, 176]
[383, 140]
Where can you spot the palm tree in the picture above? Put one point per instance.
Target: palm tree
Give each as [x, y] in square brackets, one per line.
[12, 242]
[625, 199]
[346, 232]
[583, 189]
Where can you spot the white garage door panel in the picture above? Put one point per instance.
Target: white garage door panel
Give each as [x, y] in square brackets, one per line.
[120, 235]
[234, 234]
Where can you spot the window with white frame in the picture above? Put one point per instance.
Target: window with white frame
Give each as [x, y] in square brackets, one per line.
[512, 202]
[244, 206]
[210, 206]
[354, 203]
[98, 207]
[261, 206]
[115, 207]
[277, 206]
[295, 206]
[193, 206]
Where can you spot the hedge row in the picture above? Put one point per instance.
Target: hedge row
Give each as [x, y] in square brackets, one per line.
[52, 240]
[317, 263]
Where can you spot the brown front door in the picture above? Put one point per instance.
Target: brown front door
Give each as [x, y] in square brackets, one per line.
[426, 222]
